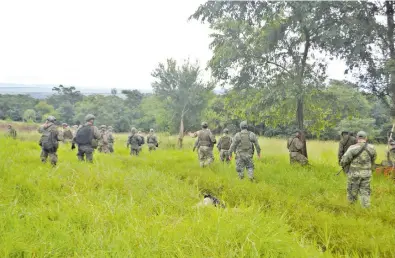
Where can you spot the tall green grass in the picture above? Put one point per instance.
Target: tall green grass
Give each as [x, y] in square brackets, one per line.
[123, 206]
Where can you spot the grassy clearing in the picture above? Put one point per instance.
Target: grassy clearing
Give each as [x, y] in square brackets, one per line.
[124, 206]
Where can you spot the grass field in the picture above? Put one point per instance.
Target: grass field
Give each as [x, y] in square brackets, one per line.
[123, 206]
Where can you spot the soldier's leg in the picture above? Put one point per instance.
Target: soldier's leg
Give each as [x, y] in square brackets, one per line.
[80, 154]
[210, 156]
[43, 155]
[89, 155]
[250, 167]
[222, 155]
[227, 157]
[301, 159]
[111, 148]
[54, 158]
[364, 189]
[240, 166]
[352, 188]
[202, 157]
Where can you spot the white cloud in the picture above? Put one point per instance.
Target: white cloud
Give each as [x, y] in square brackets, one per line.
[99, 44]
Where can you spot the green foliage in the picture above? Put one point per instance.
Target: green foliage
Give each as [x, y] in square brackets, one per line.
[29, 115]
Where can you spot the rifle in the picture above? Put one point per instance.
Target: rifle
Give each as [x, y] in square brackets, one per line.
[342, 169]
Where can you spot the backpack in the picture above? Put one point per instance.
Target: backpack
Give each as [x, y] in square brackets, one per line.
[49, 140]
[245, 142]
[225, 143]
[84, 135]
[67, 134]
[204, 138]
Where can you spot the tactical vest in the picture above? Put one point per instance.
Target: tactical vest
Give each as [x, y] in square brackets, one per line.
[48, 139]
[245, 142]
[84, 135]
[225, 143]
[151, 139]
[204, 138]
[67, 134]
[134, 140]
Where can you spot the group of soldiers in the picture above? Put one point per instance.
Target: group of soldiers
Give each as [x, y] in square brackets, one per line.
[355, 155]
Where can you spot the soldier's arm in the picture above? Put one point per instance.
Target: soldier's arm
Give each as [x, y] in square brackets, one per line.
[41, 128]
[219, 144]
[254, 140]
[59, 135]
[96, 133]
[341, 151]
[347, 157]
[235, 142]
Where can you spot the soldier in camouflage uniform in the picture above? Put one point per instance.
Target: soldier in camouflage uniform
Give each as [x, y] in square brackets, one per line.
[134, 141]
[152, 140]
[243, 145]
[110, 139]
[345, 142]
[103, 141]
[67, 134]
[205, 142]
[295, 147]
[360, 169]
[223, 146]
[86, 137]
[11, 132]
[49, 140]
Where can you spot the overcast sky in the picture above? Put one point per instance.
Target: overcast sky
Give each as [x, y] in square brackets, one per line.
[99, 44]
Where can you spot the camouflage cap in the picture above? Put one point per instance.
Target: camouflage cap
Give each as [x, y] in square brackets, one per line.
[51, 119]
[204, 124]
[226, 130]
[243, 125]
[89, 117]
[362, 134]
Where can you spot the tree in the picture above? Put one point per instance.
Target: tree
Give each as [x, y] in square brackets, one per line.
[29, 115]
[44, 109]
[269, 45]
[65, 95]
[182, 91]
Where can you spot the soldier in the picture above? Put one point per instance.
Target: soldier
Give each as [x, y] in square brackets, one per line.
[103, 141]
[134, 141]
[345, 142]
[152, 140]
[110, 139]
[295, 147]
[360, 158]
[224, 145]
[66, 132]
[74, 130]
[11, 132]
[49, 140]
[205, 143]
[86, 137]
[243, 145]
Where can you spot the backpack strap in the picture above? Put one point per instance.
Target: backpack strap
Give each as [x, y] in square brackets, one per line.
[360, 152]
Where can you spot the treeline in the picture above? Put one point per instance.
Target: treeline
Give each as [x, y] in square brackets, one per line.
[337, 106]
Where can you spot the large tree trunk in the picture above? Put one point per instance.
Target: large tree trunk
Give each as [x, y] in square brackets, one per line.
[389, 6]
[181, 132]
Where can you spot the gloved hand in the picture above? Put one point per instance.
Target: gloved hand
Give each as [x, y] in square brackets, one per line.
[72, 146]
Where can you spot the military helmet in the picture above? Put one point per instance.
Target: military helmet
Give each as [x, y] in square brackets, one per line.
[226, 130]
[133, 130]
[344, 132]
[362, 134]
[64, 124]
[103, 127]
[204, 124]
[151, 130]
[110, 127]
[243, 125]
[51, 119]
[89, 117]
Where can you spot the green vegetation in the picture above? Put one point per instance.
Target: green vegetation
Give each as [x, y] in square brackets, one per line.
[123, 206]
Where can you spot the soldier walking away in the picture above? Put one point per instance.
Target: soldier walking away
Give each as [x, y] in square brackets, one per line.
[103, 141]
[86, 138]
[360, 158]
[49, 140]
[11, 132]
[295, 146]
[67, 134]
[110, 139]
[205, 143]
[391, 153]
[345, 142]
[224, 145]
[152, 140]
[134, 141]
[243, 145]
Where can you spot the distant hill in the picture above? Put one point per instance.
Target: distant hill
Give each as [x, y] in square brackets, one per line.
[41, 91]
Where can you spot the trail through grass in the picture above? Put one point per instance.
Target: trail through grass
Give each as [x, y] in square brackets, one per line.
[123, 206]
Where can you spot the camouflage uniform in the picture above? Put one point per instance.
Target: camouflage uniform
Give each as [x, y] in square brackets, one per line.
[49, 133]
[295, 147]
[11, 132]
[134, 141]
[243, 145]
[66, 133]
[206, 141]
[344, 144]
[152, 141]
[110, 139]
[223, 146]
[103, 141]
[87, 147]
[360, 171]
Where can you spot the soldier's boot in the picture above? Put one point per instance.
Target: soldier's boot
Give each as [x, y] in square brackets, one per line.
[241, 174]
[251, 174]
[44, 160]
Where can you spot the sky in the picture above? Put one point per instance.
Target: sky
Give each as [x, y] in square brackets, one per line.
[100, 43]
